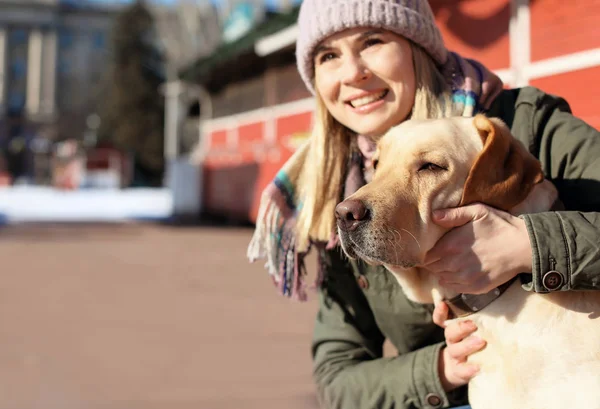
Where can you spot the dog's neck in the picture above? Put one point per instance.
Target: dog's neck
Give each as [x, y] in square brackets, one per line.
[420, 285]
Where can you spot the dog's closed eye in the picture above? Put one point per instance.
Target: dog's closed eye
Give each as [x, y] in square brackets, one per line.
[429, 166]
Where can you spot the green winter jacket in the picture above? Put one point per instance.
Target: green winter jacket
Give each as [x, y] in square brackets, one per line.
[361, 306]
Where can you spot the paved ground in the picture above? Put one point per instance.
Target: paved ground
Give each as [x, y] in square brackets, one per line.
[147, 317]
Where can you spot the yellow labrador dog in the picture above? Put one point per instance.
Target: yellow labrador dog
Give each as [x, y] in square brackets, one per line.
[543, 350]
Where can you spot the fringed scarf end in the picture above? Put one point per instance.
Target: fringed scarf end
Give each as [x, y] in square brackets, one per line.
[263, 240]
[274, 240]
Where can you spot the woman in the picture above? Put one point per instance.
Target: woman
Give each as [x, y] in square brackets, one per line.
[372, 64]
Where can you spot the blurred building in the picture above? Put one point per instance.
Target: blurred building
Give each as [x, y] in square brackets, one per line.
[53, 54]
[188, 30]
[257, 110]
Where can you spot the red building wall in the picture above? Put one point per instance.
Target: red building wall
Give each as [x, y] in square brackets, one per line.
[476, 29]
[560, 27]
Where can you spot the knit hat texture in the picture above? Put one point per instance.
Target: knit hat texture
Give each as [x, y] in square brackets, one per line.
[319, 19]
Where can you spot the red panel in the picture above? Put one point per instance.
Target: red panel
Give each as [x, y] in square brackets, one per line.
[250, 134]
[234, 180]
[476, 29]
[576, 87]
[561, 27]
[290, 124]
[292, 130]
[218, 138]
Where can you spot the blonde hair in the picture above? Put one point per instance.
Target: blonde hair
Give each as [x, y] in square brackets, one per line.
[331, 145]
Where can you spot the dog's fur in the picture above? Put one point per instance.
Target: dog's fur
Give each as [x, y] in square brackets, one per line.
[543, 350]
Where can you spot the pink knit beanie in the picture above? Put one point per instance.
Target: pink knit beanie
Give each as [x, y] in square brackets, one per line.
[318, 19]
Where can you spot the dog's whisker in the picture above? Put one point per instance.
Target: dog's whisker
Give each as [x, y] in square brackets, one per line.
[394, 232]
[398, 233]
[353, 243]
[412, 235]
[393, 244]
[396, 256]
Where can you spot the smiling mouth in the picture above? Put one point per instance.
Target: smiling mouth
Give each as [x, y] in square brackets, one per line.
[369, 99]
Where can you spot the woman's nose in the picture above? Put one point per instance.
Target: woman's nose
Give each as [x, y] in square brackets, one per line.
[354, 70]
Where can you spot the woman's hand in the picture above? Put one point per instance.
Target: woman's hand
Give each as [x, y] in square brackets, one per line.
[485, 248]
[454, 370]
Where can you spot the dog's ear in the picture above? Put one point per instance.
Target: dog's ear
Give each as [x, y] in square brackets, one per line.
[504, 172]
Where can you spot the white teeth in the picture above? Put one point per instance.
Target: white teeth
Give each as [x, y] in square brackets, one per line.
[358, 102]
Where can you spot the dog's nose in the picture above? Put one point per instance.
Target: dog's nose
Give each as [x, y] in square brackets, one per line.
[351, 213]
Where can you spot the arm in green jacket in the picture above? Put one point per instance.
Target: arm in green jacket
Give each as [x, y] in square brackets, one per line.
[569, 149]
[347, 350]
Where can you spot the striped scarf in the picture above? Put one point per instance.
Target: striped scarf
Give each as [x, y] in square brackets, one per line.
[474, 88]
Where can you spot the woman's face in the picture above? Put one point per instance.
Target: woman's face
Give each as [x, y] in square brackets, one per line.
[366, 79]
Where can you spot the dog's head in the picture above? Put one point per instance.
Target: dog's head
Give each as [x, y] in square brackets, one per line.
[421, 166]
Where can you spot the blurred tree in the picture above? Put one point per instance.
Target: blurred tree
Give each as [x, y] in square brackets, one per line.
[132, 111]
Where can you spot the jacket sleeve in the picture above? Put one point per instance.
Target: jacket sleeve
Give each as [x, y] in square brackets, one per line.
[566, 244]
[349, 369]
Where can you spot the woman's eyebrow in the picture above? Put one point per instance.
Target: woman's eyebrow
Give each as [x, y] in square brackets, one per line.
[369, 33]
[321, 48]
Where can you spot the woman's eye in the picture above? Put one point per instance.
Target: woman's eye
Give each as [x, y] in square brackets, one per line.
[326, 57]
[431, 167]
[372, 41]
